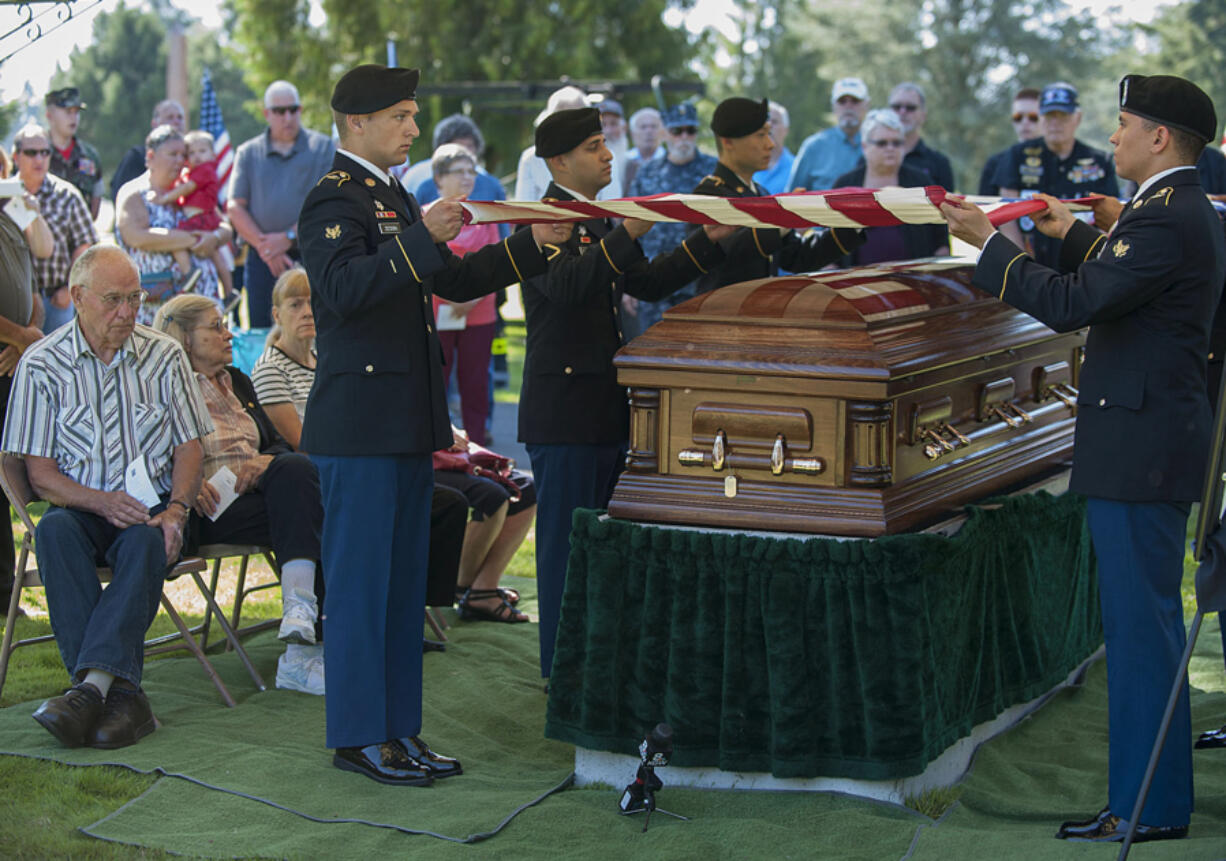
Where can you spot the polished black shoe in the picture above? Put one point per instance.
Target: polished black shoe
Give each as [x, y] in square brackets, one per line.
[386, 763]
[1106, 827]
[71, 717]
[126, 719]
[437, 765]
[1212, 738]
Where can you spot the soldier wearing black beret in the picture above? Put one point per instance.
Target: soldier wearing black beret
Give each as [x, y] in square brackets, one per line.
[742, 137]
[1147, 291]
[377, 411]
[573, 415]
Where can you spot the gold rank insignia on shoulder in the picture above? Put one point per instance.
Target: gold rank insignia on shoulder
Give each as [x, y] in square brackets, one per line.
[370, 183]
[713, 179]
[332, 232]
[1120, 249]
[337, 176]
[1164, 194]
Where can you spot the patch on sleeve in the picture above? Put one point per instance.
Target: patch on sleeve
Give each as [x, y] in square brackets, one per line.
[340, 177]
[1120, 250]
[332, 231]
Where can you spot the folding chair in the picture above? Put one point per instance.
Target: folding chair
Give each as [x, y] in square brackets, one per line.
[16, 485]
[215, 553]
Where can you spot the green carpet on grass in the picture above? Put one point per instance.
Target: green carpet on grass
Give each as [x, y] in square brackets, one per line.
[483, 702]
[486, 705]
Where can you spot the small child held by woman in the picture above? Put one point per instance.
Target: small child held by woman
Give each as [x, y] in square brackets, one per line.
[196, 193]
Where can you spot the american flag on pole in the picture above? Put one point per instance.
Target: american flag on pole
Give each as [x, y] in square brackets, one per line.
[211, 122]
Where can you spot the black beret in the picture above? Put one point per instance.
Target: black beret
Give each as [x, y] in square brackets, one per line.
[370, 88]
[562, 131]
[738, 117]
[1169, 101]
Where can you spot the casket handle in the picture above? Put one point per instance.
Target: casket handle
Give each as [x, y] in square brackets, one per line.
[955, 433]
[778, 455]
[1011, 414]
[1064, 393]
[719, 450]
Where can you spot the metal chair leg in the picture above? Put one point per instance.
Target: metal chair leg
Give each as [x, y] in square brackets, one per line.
[194, 647]
[238, 596]
[437, 623]
[231, 637]
[208, 617]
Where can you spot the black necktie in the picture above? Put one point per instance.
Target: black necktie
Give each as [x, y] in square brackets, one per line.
[404, 195]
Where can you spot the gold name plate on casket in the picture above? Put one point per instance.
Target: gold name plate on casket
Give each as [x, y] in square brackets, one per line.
[858, 402]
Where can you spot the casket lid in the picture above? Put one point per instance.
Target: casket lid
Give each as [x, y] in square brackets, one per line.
[873, 322]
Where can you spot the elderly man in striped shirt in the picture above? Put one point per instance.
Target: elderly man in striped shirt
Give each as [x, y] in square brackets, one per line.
[105, 411]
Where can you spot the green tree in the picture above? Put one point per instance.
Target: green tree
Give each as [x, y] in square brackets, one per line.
[479, 40]
[1192, 40]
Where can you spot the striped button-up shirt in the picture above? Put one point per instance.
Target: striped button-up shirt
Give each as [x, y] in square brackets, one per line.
[235, 438]
[71, 227]
[95, 419]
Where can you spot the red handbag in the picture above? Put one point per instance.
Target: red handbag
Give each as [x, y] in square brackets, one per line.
[480, 462]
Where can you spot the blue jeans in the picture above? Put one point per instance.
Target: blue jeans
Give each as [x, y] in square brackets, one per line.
[56, 317]
[98, 628]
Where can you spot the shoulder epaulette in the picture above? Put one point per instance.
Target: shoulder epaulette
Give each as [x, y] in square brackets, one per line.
[340, 177]
[713, 179]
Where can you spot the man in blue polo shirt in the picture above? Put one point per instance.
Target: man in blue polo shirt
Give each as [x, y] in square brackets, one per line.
[272, 174]
[829, 154]
[1057, 164]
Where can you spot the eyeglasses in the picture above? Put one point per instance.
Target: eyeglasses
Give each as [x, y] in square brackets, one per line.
[899, 107]
[282, 110]
[218, 326]
[894, 142]
[684, 130]
[1032, 117]
[461, 171]
[35, 153]
[111, 301]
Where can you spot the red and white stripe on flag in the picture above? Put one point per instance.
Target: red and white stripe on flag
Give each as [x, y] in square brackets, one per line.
[843, 207]
[211, 122]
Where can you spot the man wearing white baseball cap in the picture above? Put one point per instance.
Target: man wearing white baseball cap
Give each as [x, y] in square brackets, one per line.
[829, 154]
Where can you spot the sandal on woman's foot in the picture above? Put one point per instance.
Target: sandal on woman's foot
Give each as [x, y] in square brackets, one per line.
[511, 596]
[501, 612]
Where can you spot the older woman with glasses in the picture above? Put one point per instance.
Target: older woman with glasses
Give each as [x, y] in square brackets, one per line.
[466, 329]
[278, 502]
[149, 231]
[882, 137]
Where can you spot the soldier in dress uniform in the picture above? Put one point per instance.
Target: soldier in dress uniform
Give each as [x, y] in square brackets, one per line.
[1147, 291]
[742, 135]
[376, 412]
[573, 415]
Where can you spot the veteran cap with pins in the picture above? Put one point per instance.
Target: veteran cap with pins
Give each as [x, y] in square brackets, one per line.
[562, 131]
[68, 97]
[738, 117]
[371, 87]
[1169, 101]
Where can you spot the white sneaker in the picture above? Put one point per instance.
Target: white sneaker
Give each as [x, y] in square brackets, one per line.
[302, 670]
[298, 615]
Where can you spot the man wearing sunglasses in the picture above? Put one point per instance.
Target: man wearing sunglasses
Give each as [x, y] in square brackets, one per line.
[907, 100]
[1025, 119]
[682, 168]
[1059, 165]
[65, 212]
[273, 172]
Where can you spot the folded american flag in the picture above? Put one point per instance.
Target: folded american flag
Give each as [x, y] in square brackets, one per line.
[843, 207]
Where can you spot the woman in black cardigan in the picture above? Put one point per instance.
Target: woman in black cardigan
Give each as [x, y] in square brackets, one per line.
[278, 501]
[882, 139]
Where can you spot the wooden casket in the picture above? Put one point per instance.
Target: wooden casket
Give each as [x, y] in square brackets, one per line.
[856, 402]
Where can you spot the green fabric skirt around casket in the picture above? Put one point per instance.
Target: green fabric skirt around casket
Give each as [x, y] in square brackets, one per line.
[819, 658]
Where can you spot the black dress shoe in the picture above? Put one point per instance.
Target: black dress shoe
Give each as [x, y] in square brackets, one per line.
[437, 765]
[71, 716]
[126, 719]
[1212, 738]
[386, 763]
[1106, 827]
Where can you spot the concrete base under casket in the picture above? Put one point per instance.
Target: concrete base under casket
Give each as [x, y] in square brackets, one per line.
[617, 770]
